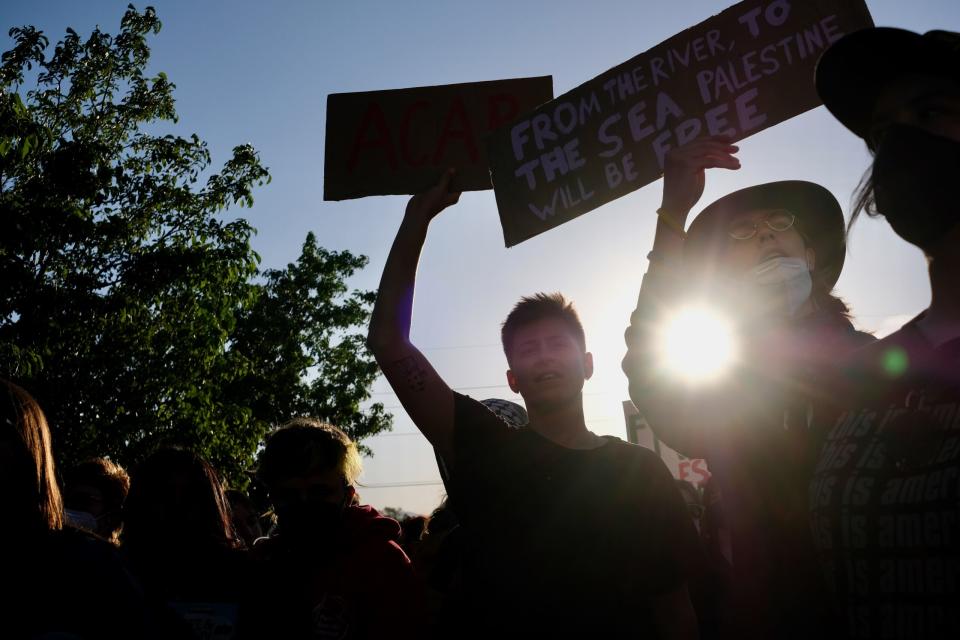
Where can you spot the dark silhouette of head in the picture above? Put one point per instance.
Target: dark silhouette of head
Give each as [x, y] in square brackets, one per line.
[306, 445]
[176, 501]
[309, 468]
[98, 488]
[898, 90]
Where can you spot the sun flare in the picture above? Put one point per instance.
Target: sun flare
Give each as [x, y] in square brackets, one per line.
[697, 345]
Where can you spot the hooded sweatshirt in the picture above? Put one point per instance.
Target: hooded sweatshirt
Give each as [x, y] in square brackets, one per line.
[767, 421]
[354, 583]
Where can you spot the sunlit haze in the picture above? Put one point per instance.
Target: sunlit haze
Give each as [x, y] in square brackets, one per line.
[697, 345]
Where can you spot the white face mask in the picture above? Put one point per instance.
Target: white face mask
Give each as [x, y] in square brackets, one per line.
[787, 280]
[81, 519]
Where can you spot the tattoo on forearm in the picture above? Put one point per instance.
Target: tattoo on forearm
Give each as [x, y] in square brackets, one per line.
[413, 374]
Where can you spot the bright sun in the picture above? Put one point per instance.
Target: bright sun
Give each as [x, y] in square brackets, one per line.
[697, 345]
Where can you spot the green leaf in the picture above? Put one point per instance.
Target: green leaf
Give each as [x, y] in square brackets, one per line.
[143, 316]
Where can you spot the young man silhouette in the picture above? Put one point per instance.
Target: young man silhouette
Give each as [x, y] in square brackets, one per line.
[571, 533]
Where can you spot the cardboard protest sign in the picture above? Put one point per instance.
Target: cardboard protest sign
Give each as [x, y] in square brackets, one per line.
[693, 470]
[399, 141]
[737, 73]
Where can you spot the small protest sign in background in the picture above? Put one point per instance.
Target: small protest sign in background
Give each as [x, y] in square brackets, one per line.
[398, 141]
[693, 470]
[737, 73]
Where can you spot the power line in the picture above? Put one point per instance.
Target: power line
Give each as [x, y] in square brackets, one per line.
[490, 386]
[391, 485]
[462, 346]
[396, 434]
[490, 345]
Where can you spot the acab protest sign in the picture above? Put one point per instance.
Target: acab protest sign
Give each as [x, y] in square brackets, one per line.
[737, 73]
[398, 141]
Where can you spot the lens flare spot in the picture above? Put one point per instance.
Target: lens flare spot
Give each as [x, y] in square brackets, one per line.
[698, 345]
[895, 362]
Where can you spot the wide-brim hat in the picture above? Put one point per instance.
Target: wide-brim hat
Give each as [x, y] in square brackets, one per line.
[819, 216]
[853, 71]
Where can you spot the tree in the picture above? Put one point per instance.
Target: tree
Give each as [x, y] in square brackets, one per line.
[128, 304]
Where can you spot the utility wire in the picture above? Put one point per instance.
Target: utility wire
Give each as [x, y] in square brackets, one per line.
[493, 386]
[487, 386]
[462, 346]
[395, 434]
[391, 485]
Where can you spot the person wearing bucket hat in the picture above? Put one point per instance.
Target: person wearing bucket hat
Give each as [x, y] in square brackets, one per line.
[884, 498]
[768, 257]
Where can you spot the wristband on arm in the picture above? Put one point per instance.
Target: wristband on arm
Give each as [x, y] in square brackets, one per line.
[656, 257]
[675, 226]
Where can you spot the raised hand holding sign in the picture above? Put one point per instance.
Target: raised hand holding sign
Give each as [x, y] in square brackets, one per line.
[735, 74]
[427, 205]
[685, 168]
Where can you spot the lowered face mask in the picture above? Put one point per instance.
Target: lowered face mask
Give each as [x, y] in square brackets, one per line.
[81, 519]
[787, 282]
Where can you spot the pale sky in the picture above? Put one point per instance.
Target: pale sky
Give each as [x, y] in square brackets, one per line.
[260, 72]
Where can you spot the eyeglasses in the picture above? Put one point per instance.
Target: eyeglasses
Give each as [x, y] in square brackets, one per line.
[778, 220]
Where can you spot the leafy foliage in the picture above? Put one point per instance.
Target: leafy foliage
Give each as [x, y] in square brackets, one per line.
[129, 306]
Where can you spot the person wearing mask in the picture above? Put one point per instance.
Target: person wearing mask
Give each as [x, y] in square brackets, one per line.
[885, 497]
[764, 259]
[245, 517]
[93, 498]
[335, 568]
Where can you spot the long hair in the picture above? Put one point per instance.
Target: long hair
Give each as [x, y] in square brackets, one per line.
[176, 499]
[30, 473]
[824, 300]
[827, 302]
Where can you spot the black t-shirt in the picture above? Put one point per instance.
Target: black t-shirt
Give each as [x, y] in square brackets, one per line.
[566, 540]
[885, 496]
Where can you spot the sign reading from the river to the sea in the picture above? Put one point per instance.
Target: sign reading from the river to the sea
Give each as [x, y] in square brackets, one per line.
[737, 73]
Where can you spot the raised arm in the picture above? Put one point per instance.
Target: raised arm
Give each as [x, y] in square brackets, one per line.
[684, 178]
[663, 286]
[425, 396]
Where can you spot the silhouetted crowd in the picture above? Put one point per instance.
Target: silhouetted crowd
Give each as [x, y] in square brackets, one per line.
[833, 509]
